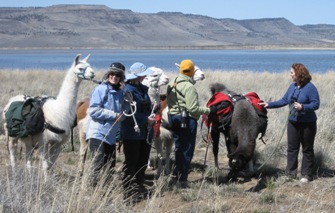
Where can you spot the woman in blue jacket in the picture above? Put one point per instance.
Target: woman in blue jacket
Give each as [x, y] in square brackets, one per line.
[105, 112]
[136, 136]
[303, 99]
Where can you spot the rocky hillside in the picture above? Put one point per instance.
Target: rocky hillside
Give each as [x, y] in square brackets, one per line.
[87, 26]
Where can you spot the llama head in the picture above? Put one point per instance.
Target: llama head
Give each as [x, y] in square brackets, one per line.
[82, 68]
[198, 74]
[156, 79]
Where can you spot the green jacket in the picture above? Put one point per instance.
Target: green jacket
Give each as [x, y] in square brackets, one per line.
[186, 95]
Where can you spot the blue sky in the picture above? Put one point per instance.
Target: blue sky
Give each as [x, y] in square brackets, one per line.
[299, 12]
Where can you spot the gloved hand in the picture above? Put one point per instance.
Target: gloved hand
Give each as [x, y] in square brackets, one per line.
[212, 113]
[213, 110]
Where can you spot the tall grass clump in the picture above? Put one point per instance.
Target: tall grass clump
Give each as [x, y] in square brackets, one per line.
[28, 191]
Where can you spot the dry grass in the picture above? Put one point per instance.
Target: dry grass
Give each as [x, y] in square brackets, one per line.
[208, 192]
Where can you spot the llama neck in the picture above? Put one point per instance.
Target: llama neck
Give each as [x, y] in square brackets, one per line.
[67, 95]
[153, 93]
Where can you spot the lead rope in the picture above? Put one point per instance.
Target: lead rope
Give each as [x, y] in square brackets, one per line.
[281, 137]
[154, 115]
[129, 98]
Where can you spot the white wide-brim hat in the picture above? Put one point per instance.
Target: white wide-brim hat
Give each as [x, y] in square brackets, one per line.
[138, 70]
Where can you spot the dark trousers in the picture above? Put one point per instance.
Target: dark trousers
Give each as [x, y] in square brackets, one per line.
[103, 156]
[184, 139]
[304, 134]
[136, 153]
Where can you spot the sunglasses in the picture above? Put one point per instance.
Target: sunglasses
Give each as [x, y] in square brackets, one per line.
[115, 74]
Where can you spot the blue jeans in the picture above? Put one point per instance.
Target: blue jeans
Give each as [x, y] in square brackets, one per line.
[184, 139]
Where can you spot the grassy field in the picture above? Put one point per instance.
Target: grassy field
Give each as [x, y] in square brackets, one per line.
[267, 191]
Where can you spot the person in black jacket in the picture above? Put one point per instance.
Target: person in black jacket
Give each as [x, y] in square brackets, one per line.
[135, 134]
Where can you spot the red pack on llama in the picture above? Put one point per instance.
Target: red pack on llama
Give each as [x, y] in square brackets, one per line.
[255, 100]
[224, 107]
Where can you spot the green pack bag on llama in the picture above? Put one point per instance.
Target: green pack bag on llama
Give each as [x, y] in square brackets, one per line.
[24, 118]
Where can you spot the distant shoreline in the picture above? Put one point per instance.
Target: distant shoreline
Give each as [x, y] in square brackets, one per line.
[331, 47]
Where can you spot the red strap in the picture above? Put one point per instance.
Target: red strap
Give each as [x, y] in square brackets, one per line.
[157, 125]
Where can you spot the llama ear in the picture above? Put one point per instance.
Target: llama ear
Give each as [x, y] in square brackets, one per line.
[86, 58]
[76, 61]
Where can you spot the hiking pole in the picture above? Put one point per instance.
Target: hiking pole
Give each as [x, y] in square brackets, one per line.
[206, 154]
[277, 145]
[208, 141]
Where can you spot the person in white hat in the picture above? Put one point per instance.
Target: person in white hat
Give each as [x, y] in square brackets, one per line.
[137, 141]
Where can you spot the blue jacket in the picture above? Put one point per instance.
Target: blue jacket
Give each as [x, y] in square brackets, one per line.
[307, 95]
[105, 104]
[143, 111]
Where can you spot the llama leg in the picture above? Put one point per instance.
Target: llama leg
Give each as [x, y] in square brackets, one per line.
[44, 155]
[55, 150]
[168, 149]
[149, 164]
[215, 135]
[12, 148]
[251, 167]
[159, 150]
[231, 146]
[29, 154]
[83, 152]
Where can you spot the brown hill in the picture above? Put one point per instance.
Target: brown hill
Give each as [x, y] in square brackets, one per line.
[97, 26]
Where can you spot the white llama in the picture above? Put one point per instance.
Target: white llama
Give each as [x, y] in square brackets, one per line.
[166, 136]
[154, 81]
[59, 113]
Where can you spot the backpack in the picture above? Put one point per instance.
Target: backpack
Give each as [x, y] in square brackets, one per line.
[24, 118]
[224, 107]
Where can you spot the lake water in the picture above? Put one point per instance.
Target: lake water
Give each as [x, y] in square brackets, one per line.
[317, 61]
